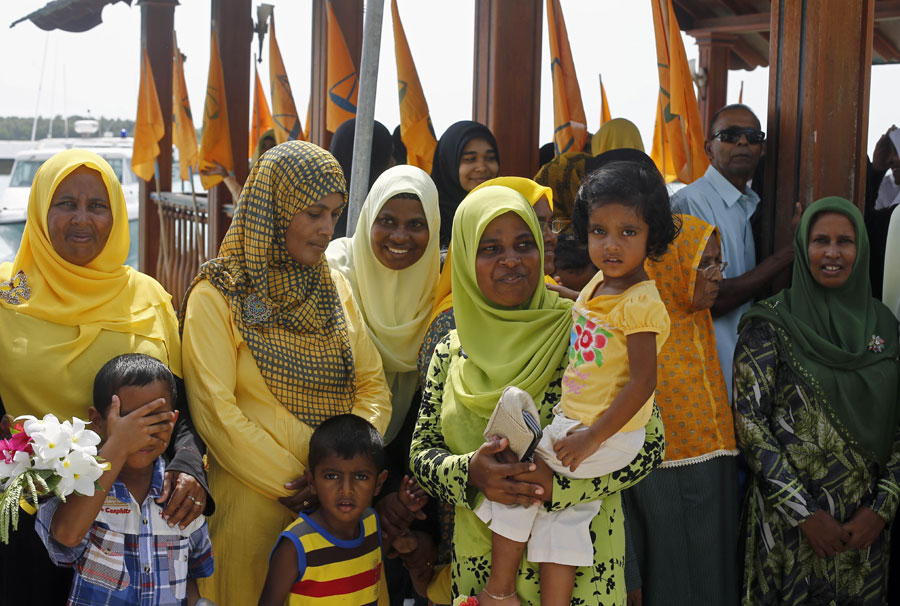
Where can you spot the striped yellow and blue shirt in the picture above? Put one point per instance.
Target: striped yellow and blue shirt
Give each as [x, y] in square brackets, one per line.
[334, 571]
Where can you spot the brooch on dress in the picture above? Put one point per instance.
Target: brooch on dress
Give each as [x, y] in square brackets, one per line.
[15, 290]
[876, 344]
[256, 310]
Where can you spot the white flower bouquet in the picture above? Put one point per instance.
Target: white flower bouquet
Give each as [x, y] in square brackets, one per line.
[42, 457]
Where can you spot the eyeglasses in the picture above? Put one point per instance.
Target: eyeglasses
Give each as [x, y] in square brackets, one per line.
[556, 225]
[710, 270]
[733, 134]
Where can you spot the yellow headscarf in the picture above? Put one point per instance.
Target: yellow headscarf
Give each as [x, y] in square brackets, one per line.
[395, 304]
[618, 133]
[72, 309]
[533, 192]
[289, 314]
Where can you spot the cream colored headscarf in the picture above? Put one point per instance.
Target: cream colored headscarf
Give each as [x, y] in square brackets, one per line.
[396, 304]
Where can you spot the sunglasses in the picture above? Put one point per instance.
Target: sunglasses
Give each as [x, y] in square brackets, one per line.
[733, 134]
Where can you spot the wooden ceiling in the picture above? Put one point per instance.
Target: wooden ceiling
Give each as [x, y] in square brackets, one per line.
[748, 20]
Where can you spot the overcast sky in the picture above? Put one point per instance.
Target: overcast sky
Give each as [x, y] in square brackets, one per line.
[98, 71]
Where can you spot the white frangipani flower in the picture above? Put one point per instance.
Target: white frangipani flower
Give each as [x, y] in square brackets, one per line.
[83, 439]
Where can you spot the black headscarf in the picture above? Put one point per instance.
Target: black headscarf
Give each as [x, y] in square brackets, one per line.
[445, 168]
[342, 149]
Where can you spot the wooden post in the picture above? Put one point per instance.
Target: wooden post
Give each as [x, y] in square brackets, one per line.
[715, 52]
[821, 55]
[157, 23]
[232, 20]
[349, 14]
[507, 81]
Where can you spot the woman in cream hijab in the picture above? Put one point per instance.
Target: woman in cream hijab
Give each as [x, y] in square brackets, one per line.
[392, 263]
[67, 306]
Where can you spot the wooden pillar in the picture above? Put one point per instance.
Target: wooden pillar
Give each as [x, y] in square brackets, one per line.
[507, 79]
[157, 23]
[715, 52]
[232, 20]
[821, 55]
[349, 14]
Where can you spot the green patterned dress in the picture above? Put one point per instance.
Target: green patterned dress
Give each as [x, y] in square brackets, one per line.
[801, 464]
[444, 474]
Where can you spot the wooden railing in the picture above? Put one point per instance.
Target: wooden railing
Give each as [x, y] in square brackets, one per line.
[183, 241]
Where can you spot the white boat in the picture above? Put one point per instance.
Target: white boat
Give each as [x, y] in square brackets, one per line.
[14, 199]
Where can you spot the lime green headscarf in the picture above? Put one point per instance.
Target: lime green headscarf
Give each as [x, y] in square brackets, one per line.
[841, 341]
[521, 346]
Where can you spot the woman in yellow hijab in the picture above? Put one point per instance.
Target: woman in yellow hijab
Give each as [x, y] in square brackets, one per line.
[67, 306]
[274, 344]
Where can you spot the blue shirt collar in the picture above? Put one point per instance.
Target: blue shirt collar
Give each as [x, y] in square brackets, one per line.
[728, 192]
[156, 482]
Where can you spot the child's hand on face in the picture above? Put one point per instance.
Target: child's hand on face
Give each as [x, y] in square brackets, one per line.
[575, 448]
[140, 429]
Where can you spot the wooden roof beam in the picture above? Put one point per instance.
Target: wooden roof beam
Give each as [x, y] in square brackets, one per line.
[748, 54]
[885, 48]
[734, 24]
[886, 10]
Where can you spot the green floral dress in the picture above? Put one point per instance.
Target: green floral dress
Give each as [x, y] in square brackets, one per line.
[800, 464]
[444, 475]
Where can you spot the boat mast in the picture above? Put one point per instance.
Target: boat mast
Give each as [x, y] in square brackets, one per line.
[37, 103]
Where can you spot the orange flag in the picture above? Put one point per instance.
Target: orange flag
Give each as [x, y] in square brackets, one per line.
[569, 123]
[215, 144]
[183, 134]
[741, 94]
[684, 131]
[343, 81]
[149, 127]
[660, 153]
[416, 130]
[286, 119]
[261, 119]
[604, 105]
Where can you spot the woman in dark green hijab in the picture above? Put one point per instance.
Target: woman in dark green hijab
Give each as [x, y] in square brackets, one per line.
[816, 411]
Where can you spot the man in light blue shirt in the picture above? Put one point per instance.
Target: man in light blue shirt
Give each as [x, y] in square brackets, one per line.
[723, 198]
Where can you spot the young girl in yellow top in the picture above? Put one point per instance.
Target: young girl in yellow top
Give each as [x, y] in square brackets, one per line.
[620, 324]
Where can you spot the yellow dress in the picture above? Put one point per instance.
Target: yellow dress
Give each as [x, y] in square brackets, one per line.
[255, 444]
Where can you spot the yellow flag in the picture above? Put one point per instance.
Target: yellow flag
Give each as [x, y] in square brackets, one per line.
[149, 127]
[604, 105]
[285, 117]
[569, 123]
[343, 82]
[183, 134]
[416, 130]
[684, 131]
[215, 144]
[660, 153]
[261, 118]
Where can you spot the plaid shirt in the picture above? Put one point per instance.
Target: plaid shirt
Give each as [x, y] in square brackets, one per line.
[130, 555]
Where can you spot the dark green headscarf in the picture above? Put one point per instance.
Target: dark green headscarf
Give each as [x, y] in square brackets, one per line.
[831, 339]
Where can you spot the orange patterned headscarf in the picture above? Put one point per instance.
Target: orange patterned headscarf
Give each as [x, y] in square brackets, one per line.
[690, 389]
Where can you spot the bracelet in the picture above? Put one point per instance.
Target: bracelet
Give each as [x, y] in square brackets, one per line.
[498, 597]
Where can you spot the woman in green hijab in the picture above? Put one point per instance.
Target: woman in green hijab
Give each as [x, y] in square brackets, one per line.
[816, 413]
[510, 330]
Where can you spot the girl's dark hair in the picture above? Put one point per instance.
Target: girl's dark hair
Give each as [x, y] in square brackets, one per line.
[637, 186]
[129, 370]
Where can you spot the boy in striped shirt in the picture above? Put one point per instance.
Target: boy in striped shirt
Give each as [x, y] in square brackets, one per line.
[332, 554]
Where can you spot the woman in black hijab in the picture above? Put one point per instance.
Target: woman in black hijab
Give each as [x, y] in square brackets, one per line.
[466, 155]
[342, 149]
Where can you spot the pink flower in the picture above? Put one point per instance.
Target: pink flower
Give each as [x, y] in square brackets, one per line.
[21, 441]
[585, 340]
[469, 601]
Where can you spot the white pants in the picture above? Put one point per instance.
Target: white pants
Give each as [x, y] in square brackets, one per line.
[562, 537]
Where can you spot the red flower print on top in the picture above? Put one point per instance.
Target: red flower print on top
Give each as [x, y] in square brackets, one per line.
[587, 341]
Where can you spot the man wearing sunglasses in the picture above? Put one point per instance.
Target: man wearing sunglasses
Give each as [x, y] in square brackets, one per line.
[723, 197]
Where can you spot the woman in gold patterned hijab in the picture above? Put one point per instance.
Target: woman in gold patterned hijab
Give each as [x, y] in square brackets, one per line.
[273, 344]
